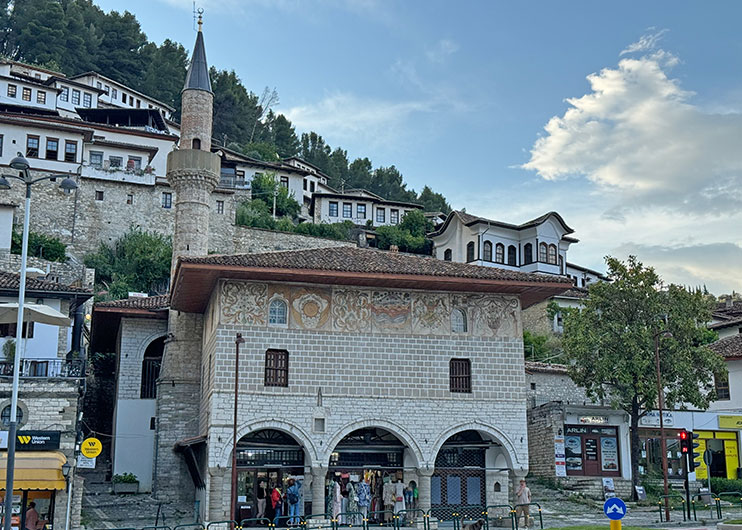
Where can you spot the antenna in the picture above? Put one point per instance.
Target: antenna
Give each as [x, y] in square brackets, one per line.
[194, 15]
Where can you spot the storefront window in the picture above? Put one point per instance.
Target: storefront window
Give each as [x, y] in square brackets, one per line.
[650, 461]
[591, 451]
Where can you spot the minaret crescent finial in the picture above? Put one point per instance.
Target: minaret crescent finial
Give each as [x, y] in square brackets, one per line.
[200, 18]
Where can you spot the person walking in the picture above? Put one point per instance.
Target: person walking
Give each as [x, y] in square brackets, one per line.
[277, 503]
[293, 496]
[523, 499]
[262, 495]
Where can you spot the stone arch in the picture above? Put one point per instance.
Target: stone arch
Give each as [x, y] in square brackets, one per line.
[144, 343]
[494, 432]
[297, 433]
[394, 428]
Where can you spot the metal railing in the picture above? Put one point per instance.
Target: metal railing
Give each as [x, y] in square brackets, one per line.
[40, 368]
[670, 505]
[538, 507]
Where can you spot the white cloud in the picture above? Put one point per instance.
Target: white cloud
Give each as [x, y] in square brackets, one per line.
[647, 42]
[344, 116]
[442, 50]
[641, 141]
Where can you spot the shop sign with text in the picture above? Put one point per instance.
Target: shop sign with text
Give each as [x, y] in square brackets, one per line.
[37, 440]
[652, 419]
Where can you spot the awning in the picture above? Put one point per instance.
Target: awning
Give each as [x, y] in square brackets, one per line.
[35, 470]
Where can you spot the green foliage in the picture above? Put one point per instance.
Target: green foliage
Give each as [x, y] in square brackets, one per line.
[264, 151]
[125, 478]
[719, 484]
[265, 187]
[610, 344]
[416, 223]
[386, 236]
[40, 246]
[138, 261]
[432, 201]
[9, 351]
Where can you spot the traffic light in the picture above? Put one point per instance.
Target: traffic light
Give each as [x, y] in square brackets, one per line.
[684, 441]
[693, 463]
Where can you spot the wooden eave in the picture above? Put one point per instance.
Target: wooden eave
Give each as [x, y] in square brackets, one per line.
[194, 282]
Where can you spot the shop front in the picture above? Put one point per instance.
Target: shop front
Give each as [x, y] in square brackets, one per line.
[592, 450]
[38, 476]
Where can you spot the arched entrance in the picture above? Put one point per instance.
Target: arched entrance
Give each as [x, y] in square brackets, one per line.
[466, 474]
[151, 368]
[266, 459]
[371, 459]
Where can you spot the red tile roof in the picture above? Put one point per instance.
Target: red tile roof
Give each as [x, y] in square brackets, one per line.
[469, 220]
[545, 368]
[729, 347]
[353, 259]
[151, 303]
[10, 281]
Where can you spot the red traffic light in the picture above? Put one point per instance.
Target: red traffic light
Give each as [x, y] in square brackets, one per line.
[683, 435]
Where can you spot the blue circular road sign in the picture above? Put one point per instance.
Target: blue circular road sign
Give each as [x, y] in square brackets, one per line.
[614, 508]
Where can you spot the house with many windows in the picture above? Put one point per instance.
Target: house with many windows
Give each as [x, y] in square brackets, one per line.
[361, 207]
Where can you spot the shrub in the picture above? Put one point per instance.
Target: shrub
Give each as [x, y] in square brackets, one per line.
[40, 246]
[125, 478]
[719, 485]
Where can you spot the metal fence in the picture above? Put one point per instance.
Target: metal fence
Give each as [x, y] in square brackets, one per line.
[46, 368]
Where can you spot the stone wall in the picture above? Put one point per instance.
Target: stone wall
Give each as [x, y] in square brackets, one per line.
[71, 272]
[255, 240]
[136, 335]
[545, 387]
[543, 425]
[536, 320]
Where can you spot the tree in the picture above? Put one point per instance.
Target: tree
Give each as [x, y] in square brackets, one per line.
[433, 202]
[284, 137]
[234, 107]
[137, 261]
[264, 187]
[118, 55]
[315, 151]
[38, 29]
[609, 344]
[165, 73]
[416, 223]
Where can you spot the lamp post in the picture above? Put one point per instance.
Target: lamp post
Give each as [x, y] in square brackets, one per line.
[237, 341]
[20, 164]
[66, 474]
[661, 406]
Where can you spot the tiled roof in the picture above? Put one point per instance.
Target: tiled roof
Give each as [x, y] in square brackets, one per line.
[724, 311]
[546, 368]
[469, 219]
[351, 259]
[152, 303]
[729, 347]
[575, 292]
[12, 281]
[727, 323]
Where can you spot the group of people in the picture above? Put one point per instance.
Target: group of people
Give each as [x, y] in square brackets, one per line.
[281, 502]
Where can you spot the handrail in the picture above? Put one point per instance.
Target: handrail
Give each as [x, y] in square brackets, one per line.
[197, 526]
[259, 520]
[540, 516]
[718, 500]
[510, 515]
[321, 516]
[381, 522]
[357, 516]
[161, 527]
[232, 524]
[667, 498]
[403, 514]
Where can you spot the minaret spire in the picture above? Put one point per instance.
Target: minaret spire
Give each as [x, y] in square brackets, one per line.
[197, 77]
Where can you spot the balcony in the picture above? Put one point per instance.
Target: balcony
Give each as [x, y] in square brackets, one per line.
[46, 368]
[120, 174]
[232, 182]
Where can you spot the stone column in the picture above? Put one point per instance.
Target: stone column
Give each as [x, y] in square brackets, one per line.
[318, 488]
[423, 488]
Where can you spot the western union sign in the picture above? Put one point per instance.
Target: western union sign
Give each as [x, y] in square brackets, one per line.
[730, 422]
[37, 440]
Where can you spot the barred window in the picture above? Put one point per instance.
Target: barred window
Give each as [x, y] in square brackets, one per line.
[721, 383]
[276, 368]
[500, 253]
[277, 313]
[460, 375]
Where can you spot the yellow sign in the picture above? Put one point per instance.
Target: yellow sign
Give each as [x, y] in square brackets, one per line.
[730, 422]
[24, 439]
[91, 447]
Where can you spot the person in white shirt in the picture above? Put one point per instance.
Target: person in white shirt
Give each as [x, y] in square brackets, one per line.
[523, 496]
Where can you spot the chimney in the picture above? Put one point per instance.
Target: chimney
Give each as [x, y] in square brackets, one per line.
[729, 303]
[393, 248]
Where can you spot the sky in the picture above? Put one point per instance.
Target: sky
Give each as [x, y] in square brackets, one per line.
[623, 117]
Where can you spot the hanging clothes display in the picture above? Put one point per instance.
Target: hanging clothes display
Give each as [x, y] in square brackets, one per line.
[399, 503]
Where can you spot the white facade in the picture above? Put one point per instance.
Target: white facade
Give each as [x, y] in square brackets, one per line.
[46, 341]
[539, 245]
[358, 207]
[583, 277]
[116, 94]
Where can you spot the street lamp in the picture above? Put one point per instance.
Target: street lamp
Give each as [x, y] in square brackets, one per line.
[21, 164]
[237, 341]
[661, 406]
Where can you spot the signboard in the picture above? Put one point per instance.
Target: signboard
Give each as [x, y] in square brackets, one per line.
[608, 454]
[652, 419]
[573, 453]
[609, 488]
[593, 420]
[91, 447]
[614, 509]
[3, 439]
[85, 463]
[37, 440]
[641, 493]
[730, 422]
[560, 463]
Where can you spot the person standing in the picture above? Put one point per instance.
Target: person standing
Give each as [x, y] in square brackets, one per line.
[32, 518]
[293, 496]
[262, 495]
[522, 500]
[277, 503]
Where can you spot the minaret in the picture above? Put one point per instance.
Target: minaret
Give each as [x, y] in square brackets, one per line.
[193, 170]
[193, 173]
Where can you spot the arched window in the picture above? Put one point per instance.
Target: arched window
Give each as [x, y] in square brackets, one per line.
[447, 255]
[542, 252]
[528, 253]
[512, 256]
[196, 143]
[458, 321]
[277, 313]
[500, 253]
[470, 251]
[552, 254]
[151, 368]
[487, 251]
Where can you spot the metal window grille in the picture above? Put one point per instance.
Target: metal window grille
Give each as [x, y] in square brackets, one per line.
[276, 368]
[460, 481]
[150, 373]
[460, 375]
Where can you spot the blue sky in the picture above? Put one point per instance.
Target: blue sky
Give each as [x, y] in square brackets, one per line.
[642, 157]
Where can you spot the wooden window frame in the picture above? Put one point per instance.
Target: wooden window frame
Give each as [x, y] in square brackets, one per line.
[96, 153]
[543, 257]
[380, 215]
[55, 151]
[75, 96]
[721, 385]
[167, 200]
[347, 209]
[447, 255]
[276, 368]
[512, 256]
[12, 91]
[361, 211]
[487, 251]
[67, 153]
[41, 97]
[552, 255]
[219, 206]
[8, 330]
[470, 252]
[26, 93]
[500, 253]
[332, 206]
[38, 145]
[459, 376]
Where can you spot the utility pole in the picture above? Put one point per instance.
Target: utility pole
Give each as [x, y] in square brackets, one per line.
[275, 193]
[661, 407]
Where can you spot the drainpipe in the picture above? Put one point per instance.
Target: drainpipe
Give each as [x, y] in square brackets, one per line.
[481, 242]
[77, 324]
